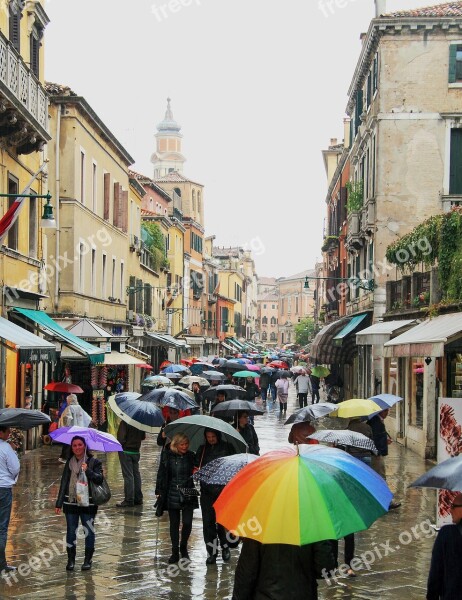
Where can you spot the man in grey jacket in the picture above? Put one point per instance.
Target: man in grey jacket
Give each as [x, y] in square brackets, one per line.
[303, 386]
[130, 438]
[9, 472]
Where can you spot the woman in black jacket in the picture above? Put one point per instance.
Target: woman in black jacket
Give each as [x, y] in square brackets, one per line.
[213, 448]
[175, 473]
[247, 431]
[80, 460]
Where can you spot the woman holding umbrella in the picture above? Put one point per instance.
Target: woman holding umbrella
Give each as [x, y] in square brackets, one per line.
[247, 431]
[80, 460]
[175, 472]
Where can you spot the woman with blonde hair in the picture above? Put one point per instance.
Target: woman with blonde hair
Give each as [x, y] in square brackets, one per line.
[174, 475]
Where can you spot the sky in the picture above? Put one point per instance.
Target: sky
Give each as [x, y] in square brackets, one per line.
[258, 86]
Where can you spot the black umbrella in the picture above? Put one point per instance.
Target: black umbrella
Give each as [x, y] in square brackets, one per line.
[22, 418]
[267, 370]
[446, 476]
[344, 437]
[221, 470]
[231, 365]
[311, 413]
[231, 407]
[213, 375]
[171, 397]
[231, 391]
[282, 372]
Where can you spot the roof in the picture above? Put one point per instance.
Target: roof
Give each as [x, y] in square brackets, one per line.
[85, 328]
[147, 181]
[268, 297]
[231, 251]
[449, 9]
[175, 177]
[267, 280]
[301, 275]
[62, 94]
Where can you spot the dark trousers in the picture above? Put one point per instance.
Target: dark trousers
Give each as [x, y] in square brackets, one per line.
[6, 502]
[264, 393]
[88, 524]
[315, 394]
[273, 391]
[176, 516]
[349, 549]
[303, 399]
[210, 526]
[132, 478]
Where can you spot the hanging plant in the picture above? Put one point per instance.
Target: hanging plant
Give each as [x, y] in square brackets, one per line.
[355, 198]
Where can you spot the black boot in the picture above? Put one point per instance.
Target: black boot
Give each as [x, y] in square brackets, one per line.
[71, 558]
[88, 556]
[184, 551]
[175, 556]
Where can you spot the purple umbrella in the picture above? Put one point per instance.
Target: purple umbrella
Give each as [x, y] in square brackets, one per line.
[96, 440]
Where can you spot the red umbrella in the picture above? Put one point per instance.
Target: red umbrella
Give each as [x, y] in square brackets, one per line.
[165, 364]
[145, 366]
[65, 388]
[278, 364]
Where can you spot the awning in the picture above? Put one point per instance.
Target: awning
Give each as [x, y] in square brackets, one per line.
[380, 333]
[237, 345]
[51, 329]
[427, 338]
[194, 341]
[349, 328]
[228, 347]
[86, 328]
[319, 350]
[121, 358]
[30, 347]
[165, 340]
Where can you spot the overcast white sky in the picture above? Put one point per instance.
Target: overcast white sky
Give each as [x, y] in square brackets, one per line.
[259, 87]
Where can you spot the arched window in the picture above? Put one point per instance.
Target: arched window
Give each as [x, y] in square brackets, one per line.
[264, 321]
[273, 337]
[273, 321]
[264, 336]
[194, 201]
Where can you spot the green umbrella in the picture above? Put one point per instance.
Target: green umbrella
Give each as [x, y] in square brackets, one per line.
[194, 426]
[320, 371]
[246, 374]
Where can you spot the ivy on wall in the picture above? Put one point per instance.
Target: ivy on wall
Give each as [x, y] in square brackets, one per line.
[436, 241]
[355, 198]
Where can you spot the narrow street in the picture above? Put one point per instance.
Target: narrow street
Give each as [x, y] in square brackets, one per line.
[129, 564]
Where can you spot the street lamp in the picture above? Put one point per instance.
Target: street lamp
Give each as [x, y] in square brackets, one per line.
[362, 284]
[48, 220]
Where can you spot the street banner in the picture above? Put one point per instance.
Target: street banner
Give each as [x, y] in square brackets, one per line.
[449, 445]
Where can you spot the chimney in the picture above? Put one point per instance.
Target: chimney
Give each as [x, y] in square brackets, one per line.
[333, 141]
[380, 7]
[346, 131]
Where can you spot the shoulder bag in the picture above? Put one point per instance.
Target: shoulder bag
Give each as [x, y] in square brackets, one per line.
[100, 492]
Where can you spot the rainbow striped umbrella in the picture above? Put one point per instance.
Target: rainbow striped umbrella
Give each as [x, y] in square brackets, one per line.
[301, 496]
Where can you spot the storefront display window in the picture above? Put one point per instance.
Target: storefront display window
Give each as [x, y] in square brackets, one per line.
[416, 392]
[392, 383]
[455, 376]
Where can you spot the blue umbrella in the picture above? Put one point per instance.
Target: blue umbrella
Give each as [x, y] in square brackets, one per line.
[199, 367]
[386, 400]
[141, 414]
[170, 397]
[176, 369]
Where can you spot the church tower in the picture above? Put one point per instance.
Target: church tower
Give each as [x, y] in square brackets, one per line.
[168, 158]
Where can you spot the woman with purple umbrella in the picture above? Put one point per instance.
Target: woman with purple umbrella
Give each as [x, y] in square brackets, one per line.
[80, 461]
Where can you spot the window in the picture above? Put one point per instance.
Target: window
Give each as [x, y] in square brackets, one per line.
[196, 242]
[455, 166]
[148, 299]
[81, 268]
[131, 293]
[296, 305]
[273, 337]
[113, 277]
[375, 74]
[199, 204]
[122, 275]
[93, 272]
[273, 321]
[455, 63]
[273, 306]
[139, 296]
[13, 188]
[82, 177]
[107, 195]
[264, 305]
[264, 336]
[416, 396]
[93, 190]
[194, 201]
[264, 321]
[103, 277]
[14, 14]
[33, 226]
[35, 37]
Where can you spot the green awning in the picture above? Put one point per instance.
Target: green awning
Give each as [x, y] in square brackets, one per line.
[54, 330]
[238, 344]
[349, 328]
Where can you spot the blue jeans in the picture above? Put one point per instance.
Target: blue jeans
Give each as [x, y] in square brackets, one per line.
[88, 523]
[264, 393]
[274, 392]
[6, 502]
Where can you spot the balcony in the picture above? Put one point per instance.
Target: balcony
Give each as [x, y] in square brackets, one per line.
[368, 217]
[449, 201]
[23, 103]
[354, 239]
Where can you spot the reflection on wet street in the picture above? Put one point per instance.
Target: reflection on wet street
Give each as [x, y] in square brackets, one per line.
[132, 546]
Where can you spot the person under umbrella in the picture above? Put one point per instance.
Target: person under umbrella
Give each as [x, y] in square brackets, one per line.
[9, 473]
[130, 438]
[214, 533]
[247, 430]
[251, 389]
[73, 415]
[173, 415]
[196, 389]
[282, 386]
[299, 433]
[175, 472]
[80, 460]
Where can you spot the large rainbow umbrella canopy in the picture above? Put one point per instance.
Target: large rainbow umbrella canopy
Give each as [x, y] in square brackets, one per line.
[301, 496]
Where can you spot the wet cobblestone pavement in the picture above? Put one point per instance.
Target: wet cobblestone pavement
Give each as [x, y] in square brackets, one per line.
[129, 564]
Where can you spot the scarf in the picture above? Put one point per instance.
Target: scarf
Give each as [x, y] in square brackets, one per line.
[75, 467]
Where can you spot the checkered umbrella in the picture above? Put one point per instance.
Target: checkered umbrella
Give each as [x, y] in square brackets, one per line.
[344, 437]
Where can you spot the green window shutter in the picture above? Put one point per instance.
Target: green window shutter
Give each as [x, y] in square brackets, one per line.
[452, 63]
[455, 168]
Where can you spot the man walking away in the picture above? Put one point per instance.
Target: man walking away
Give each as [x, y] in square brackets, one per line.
[9, 472]
[381, 440]
[303, 385]
[264, 385]
[445, 578]
[315, 383]
[129, 458]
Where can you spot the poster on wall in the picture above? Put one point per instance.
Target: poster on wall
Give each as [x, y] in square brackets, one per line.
[449, 445]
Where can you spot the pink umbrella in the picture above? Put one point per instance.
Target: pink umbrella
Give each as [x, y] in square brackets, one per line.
[252, 367]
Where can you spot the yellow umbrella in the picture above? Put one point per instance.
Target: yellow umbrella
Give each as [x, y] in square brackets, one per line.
[356, 407]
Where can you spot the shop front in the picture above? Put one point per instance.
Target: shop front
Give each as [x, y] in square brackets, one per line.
[162, 347]
[422, 365]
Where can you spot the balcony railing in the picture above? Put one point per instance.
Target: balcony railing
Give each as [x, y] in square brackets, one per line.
[23, 102]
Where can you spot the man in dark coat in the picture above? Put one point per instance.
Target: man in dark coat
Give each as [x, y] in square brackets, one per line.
[445, 578]
[381, 440]
[130, 438]
[213, 448]
[280, 571]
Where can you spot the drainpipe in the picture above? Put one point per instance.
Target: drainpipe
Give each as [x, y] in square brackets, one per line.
[57, 189]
